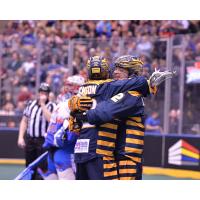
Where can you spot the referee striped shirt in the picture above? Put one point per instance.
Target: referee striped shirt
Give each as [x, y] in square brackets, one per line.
[37, 124]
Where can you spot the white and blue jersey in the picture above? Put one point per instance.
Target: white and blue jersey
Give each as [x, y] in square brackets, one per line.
[61, 158]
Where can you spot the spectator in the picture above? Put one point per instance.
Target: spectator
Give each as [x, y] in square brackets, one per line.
[15, 62]
[28, 65]
[20, 108]
[22, 41]
[145, 46]
[24, 94]
[8, 109]
[152, 123]
[196, 128]
[52, 97]
[173, 121]
[7, 98]
[104, 27]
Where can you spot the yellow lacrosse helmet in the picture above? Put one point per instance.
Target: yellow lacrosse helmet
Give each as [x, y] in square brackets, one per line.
[132, 63]
[98, 68]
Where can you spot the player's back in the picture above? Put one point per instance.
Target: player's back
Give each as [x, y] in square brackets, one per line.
[130, 137]
[97, 141]
[86, 145]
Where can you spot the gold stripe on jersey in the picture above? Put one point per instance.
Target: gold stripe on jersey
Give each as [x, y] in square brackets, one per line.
[126, 162]
[134, 141]
[135, 132]
[133, 150]
[109, 165]
[104, 152]
[134, 93]
[137, 119]
[105, 143]
[135, 159]
[127, 178]
[98, 82]
[111, 173]
[127, 171]
[131, 123]
[110, 126]
[108, 158]
[106, 134]
[110, 168]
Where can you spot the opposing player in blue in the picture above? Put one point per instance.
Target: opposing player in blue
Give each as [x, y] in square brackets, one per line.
[59, 141]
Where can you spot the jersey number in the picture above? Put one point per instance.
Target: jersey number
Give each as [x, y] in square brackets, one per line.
[117, 97]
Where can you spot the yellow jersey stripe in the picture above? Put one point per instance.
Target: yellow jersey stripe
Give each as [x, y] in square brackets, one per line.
[104, 152]
[131, 123]
[106, 134]
[127, 171]
[134, 141]
[106, 143]
[126, 162]
[110, 126]
[127, 178]
[108, 166]
[98, 82]
[133, 150]
[137, 119]
[135, 132]
[112, 173]
[136, 159]
[134, 93]
[107, 158]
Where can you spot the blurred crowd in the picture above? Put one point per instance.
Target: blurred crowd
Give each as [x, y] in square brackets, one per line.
[60, 48]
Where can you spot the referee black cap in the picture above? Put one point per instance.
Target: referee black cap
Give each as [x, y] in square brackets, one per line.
[44, 87]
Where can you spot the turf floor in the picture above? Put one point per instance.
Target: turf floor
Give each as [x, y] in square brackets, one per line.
[9, 172]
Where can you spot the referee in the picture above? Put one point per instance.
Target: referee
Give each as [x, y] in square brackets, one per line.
[35, 121]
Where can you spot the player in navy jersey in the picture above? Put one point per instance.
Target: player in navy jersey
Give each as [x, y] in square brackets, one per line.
[94, 153]
[128, 143]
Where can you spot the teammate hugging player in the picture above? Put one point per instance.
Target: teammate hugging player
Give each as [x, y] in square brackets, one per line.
[114, 150]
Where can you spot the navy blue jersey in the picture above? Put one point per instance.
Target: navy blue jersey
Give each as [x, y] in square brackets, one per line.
[90, 137]
[119, 106]
[129, 108]
[105, 89]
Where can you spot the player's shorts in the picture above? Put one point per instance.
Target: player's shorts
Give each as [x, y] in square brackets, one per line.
[101, 168]
[60, 160]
